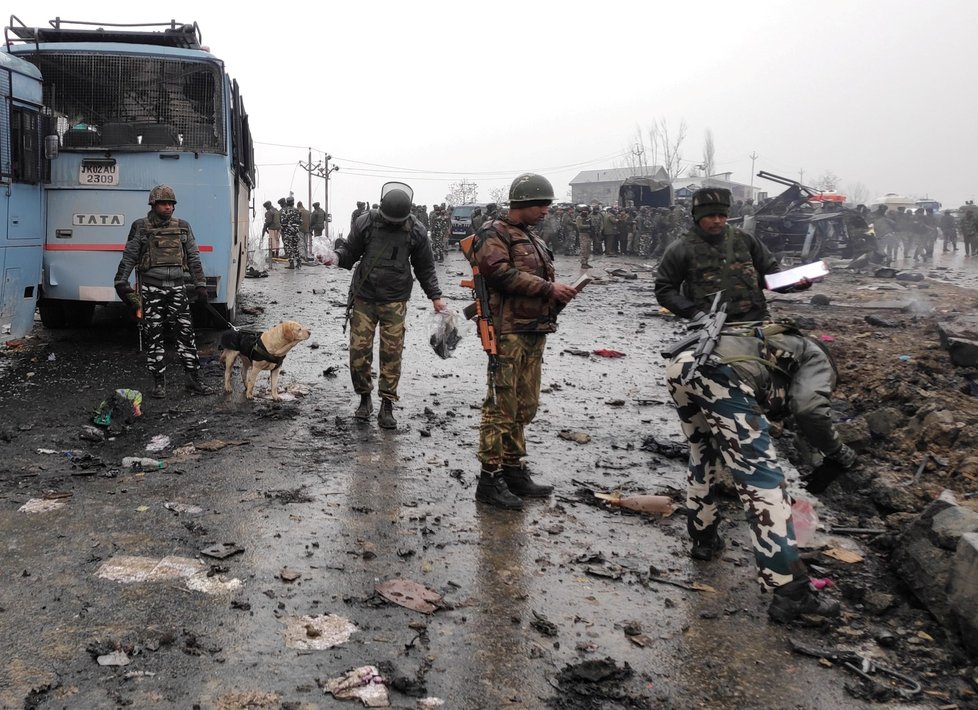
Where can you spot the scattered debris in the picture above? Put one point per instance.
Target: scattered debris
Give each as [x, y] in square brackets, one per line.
[130, 569]
[604, 352]
[689, 586]
[116, 658]
[183, 508]
[41, 505]
[409, 594]
[666, 449]
[578, 437]
[576, 351]
[289, 575]
[364, 684]
[544, 625]
[222, 550]
[843, 555]
[317, 633]
[640, 504]
[218, 444]
[158, 443]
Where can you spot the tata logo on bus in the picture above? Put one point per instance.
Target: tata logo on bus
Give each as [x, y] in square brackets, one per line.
[98, 220]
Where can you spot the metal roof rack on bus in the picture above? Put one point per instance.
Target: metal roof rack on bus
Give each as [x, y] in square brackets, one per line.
[175, 34]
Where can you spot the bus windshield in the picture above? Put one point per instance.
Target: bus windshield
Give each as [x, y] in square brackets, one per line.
[129, 102]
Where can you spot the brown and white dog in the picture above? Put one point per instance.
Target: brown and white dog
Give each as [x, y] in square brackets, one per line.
[260, 351]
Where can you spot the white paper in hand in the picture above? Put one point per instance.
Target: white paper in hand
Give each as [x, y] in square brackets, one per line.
[815, 270]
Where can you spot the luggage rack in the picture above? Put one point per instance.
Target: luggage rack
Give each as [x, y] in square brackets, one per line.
[175, 34]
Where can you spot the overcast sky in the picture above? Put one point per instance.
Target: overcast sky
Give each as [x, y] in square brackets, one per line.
[879, 92]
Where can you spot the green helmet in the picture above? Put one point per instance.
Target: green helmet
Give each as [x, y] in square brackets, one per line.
[530, 187]
[162, 193]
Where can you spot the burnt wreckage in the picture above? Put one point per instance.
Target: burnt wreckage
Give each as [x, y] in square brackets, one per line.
[794, 226]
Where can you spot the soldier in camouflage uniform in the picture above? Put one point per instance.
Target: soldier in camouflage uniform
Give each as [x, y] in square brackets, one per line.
[585, 235]
[721, 408]
[385, 244]
[523, 299]
[291, 232]
[439, 232]
[715, 256]
[161, 248]
[273, 228]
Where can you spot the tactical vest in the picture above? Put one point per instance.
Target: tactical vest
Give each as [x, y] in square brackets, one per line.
[164, 246]
[727, 266]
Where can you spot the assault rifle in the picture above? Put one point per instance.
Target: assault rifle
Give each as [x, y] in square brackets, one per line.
[709, 334]
[479, 310]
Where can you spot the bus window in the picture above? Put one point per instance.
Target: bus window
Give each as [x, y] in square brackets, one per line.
[111, 100]
[24, 153]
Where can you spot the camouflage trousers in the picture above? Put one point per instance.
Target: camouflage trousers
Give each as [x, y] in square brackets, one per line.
[364, 319]
[162, 304]
[519, 360]
[291, 242]
[438, 246]
[725, 426]
[585, 241]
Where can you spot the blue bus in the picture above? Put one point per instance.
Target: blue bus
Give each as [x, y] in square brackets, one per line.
[127, 107]
[22, 171]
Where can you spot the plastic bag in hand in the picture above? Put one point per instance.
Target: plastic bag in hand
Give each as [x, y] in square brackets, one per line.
[329, 258]
[443, 333]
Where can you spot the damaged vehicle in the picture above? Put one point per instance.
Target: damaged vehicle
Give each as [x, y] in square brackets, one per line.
[798, 227]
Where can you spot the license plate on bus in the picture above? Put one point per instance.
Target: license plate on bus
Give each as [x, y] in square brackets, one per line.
[99, 172]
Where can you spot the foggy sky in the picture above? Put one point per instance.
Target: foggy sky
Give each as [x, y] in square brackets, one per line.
[880, 93]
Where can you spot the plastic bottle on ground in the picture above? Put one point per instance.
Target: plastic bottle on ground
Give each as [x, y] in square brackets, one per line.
[138, 463]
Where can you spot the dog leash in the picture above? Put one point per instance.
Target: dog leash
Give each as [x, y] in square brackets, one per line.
[214, 312]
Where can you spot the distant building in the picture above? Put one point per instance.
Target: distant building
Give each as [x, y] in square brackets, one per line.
[684, 188]
[602, 185]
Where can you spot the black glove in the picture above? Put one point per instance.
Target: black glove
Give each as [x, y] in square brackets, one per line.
[201, 294]
[123, 290]
[339, 243]
[830, 469]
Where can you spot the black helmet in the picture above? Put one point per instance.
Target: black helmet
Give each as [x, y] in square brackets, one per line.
[290, 200]
[530, 188]
[395, 201]
[268, 204]
[315, 204]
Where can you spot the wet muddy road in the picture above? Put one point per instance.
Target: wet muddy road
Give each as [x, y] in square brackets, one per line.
[338, 508]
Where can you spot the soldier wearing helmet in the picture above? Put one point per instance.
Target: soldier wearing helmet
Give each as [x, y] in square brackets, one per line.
[317, 222]
[162, 249]
[524, 298]
[385, 245]
[291, 230]
[273, 228]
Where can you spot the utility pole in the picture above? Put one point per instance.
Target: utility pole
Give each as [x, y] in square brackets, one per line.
[321, 171]
[309, 174]
[801, 176]
[753, 157]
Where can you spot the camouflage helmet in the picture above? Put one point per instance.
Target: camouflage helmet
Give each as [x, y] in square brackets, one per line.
[162, 193]
[710, 200]
[530, 188]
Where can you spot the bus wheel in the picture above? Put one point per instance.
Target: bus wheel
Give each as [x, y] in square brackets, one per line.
[52, 314]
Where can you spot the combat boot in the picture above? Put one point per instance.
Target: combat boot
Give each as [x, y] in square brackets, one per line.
[385, 417]
[797, 598]
[159, 386]
[706, 547]
[291, 264]
[195, 385]
[519, 483]
[492, 490]
[365, 409]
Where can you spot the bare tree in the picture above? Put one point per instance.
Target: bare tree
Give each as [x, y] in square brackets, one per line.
[709, 154]
[499, 194]
[858, 193]
[462, 192]
[668, 144]
[828, 182]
